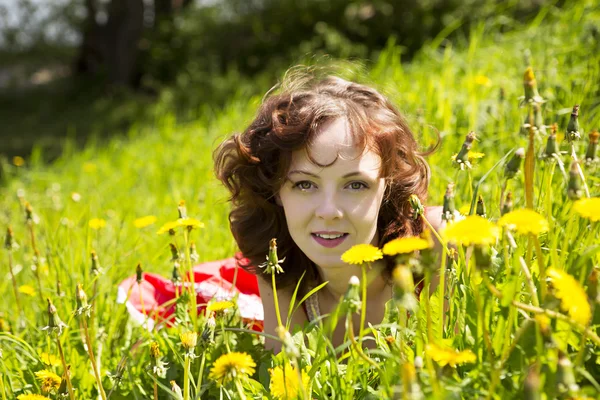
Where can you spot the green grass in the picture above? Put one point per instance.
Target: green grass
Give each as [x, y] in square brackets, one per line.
[450, 88]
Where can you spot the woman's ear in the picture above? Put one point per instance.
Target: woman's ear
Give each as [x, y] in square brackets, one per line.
[278, 200]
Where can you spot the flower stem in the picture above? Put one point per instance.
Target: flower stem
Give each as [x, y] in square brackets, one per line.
[2, 390]
[541, 266]
[579, 170]
[14, 282]
[65, 368]
[192, 278]
[93, 359]
[363, 304]
[275, 300]
[201, 372]
[186, 378]
[239, 388]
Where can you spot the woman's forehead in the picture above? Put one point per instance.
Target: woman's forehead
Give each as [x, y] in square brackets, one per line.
[335, 146]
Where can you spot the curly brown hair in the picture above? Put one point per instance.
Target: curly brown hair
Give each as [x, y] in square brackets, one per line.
[253, 165]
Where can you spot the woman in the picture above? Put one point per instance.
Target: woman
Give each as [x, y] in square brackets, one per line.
[325, 165]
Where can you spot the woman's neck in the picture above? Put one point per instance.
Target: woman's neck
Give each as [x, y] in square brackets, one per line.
[378, 291]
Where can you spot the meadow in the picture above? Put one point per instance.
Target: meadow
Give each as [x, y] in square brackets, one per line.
[521, 251]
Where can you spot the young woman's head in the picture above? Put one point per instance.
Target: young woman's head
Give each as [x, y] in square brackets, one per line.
[326, 164]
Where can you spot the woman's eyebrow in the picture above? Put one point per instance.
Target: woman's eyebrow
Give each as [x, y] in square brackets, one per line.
[298, 171]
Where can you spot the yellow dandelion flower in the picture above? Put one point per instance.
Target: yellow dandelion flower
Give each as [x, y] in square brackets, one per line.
[50, 360]
[362, 253]
[89, 167]
[588, 208]
[464, 210]
[32, 397]
[451, 357]
[232, 365]
[524, 221]
[220, 306]
[471, 230]
[285, 382]
[188, 339]
[181, 222]
[97, 223]
[144, 221]
[405, 245]
[471, 155]
[482, 80]
[50, 381]
[27, 289]
[573, 299]
[18, 161]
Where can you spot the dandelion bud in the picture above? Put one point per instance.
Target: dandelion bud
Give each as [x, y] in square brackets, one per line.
[176, 275]
[174, 252]
[209, 328]
[573, 126]
[480, 210]
[176, 389]
[483, 258]
[449, 208]
[28, 213]
[55, 324]
[551, 147]
[462, 158]
[95, 263]
[404, 287]
[501, 94]
[154, 350]
[8, 242]
[352, 297]
[565, 375]
[193, 253]
[403, 280]
[574, 190]
[534, 121]
[138, 273]
[81, 297]
[513, 165]
[532, 385]
[182, 210]
[273, 264]
[63, 390]
[416, 206]
[594, 285]
[590, 154]
[507, 206]
[530, 86]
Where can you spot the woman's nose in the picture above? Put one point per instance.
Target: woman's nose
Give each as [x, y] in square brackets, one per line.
[329, 208]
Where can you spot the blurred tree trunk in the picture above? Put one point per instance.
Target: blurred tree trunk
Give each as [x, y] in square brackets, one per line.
[113, 46]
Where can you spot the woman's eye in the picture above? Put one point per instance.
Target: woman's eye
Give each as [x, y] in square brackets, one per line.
[303, 185]
[357, 185]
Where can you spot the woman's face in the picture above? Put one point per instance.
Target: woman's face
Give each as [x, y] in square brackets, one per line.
[330, 209]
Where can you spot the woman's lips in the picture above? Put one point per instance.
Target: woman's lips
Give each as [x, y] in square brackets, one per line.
[329, 243]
